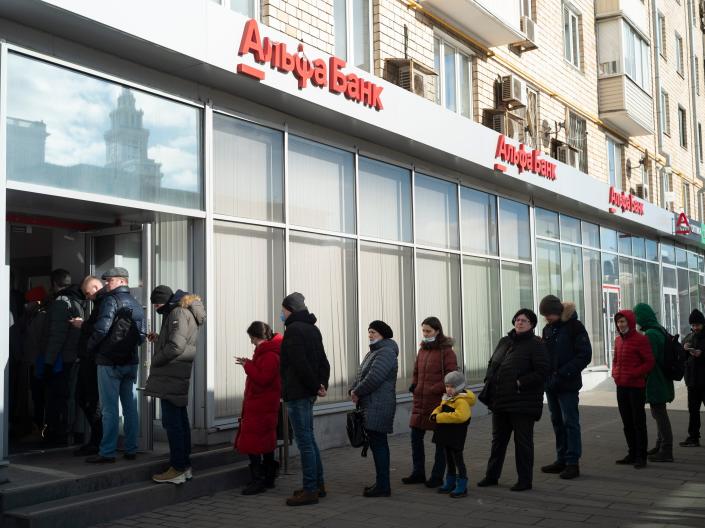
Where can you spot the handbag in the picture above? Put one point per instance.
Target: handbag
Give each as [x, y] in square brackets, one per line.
[487, 393]
[357, 434]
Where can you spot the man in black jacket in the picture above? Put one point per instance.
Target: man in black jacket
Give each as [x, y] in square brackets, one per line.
[118, 332]
[60, 353]
[694, 344]
[569, 352]
[304, 371]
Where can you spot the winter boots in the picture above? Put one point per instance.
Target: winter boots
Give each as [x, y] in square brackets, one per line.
[449, 484]
[664, 454]
[461, 488]
[256, 484]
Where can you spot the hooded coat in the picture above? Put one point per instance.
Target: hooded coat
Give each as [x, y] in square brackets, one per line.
[175, 349]
[433, 362]
[695, 366]
[633, 358]
[569, 351]
[452, 418]
[260, 407]
[375, 385]
[659, 389]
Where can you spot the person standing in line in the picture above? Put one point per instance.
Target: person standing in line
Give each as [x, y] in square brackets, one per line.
[694, 345]
[434, 360]
[452, 417]
[632, 362]
[183, 315]
[87, 380]
[257, 434]
[304, 371]
[374, 390]
[659, 388]
[569, 352]
[118, 332]
[518, 368]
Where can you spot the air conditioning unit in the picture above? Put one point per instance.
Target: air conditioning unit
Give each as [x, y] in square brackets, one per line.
[513, 91]
[642, 191]
[407, 73]
[505, 123]
[568, 155]
[669, 197]
[530, 30]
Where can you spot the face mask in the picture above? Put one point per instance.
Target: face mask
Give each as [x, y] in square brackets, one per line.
[429, 339]
[282, 317]
[373, 341]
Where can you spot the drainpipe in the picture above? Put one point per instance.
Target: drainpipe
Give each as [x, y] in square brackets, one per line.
[693, 102]
[657, 95]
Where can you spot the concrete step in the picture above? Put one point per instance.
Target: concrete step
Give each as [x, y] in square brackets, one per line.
[125, 474]
[87, 509]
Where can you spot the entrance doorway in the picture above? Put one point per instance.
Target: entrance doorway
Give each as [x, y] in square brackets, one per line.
[671, 316]
[610, 307]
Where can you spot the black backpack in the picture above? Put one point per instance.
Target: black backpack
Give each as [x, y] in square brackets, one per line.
[122, 339]
[674, 357]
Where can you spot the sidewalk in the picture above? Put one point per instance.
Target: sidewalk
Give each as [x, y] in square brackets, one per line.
[604, 495]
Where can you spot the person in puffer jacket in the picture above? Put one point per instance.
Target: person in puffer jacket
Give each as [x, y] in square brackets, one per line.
[633, 360]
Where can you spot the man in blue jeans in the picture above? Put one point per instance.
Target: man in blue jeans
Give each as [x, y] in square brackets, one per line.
[118, 332]
[569, 352]
[304, 370]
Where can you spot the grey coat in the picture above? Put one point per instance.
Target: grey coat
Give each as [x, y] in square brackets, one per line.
[175, 350]
[375, 385]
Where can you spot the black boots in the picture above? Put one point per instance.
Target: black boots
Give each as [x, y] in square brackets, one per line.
[664, 454]
[271, 472]
[256, 485]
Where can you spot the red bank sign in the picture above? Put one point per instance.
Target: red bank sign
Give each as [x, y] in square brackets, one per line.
[625, 202]
[683, 225]
[523, 160]
[322, 74]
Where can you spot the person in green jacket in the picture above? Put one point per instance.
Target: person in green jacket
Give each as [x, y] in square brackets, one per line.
[659, 389]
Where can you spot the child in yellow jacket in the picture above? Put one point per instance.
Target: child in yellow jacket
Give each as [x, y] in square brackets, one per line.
[452, 418]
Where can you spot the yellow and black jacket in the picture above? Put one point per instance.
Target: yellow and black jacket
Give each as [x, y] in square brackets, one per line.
[452, 418]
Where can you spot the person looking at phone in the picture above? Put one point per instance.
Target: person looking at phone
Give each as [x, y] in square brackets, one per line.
[694, 344]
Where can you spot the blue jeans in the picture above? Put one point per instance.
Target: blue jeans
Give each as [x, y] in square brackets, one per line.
[178, 432]
[117, 383]
[380, 452]
[418, 456]
[301, 418]
[565, 418]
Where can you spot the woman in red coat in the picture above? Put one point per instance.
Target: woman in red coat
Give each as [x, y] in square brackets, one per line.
[257, 436]
[633, 360]
[434, 360]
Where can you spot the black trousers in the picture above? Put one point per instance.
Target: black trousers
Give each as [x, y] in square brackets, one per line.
[58, 391]
[503, 424]
[696, 397]
[631, 402]
[88, 400]
[266, 458]
[455, 462]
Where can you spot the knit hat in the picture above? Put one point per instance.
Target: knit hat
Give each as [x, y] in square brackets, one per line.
[36, 294]
[550, 305]
[382, 328]
[161, 294]
[696, 317]
[530, 315]
[455, 379]
[294, 302]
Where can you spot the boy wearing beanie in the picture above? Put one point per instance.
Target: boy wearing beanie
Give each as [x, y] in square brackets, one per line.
[694, 344]
[452, 417]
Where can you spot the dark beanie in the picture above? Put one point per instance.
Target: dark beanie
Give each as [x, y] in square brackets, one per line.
[696, 317]
[550, 305]
[161, 295]
[294, 302]
[530, 315]
[382, 328]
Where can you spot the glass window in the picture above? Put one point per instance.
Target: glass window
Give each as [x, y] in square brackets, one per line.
[438, 292]
[682, 127]
[352, 31]
[323, 269]
[638, 247]
[517, 290]
[592, 315]
[331, 172]
[250, 261]
[626, 283]
[244, 7]
[449, 77]
[641, 284]
[683, 301]
[571, 37]
[625, 243]
[548, 268]
[681, 257]
[614, 162]
[515, 240]
[570, 229]
[652, 250]
[73, 131]
[637, 64]
[479, 216]
[385, 200]
[668, 255]
[436, 212]
[454, 81]
[610, 269]
[591, 234]
[692, 261]
[577, 137]
[546, 223]
[572, 275]
[654, 279]
[694, 291]
[248, 166]
[464, 79]
[669, 278]
[679, 54]
[340, 18]
[608, 237]
[483, 317]
[387, 293]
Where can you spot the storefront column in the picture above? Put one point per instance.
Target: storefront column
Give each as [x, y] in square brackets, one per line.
[4, 274]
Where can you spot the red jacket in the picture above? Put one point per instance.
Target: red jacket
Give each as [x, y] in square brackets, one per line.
[260, 407]
[433, 361]
[633, 358]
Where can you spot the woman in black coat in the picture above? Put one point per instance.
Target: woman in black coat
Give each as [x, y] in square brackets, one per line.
[516, 376]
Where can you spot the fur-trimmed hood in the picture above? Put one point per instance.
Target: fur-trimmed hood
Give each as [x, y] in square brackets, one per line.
[568, 311]
[193, 302]
[447, 342]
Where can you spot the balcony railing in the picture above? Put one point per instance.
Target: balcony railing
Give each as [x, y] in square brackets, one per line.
[625, 106]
